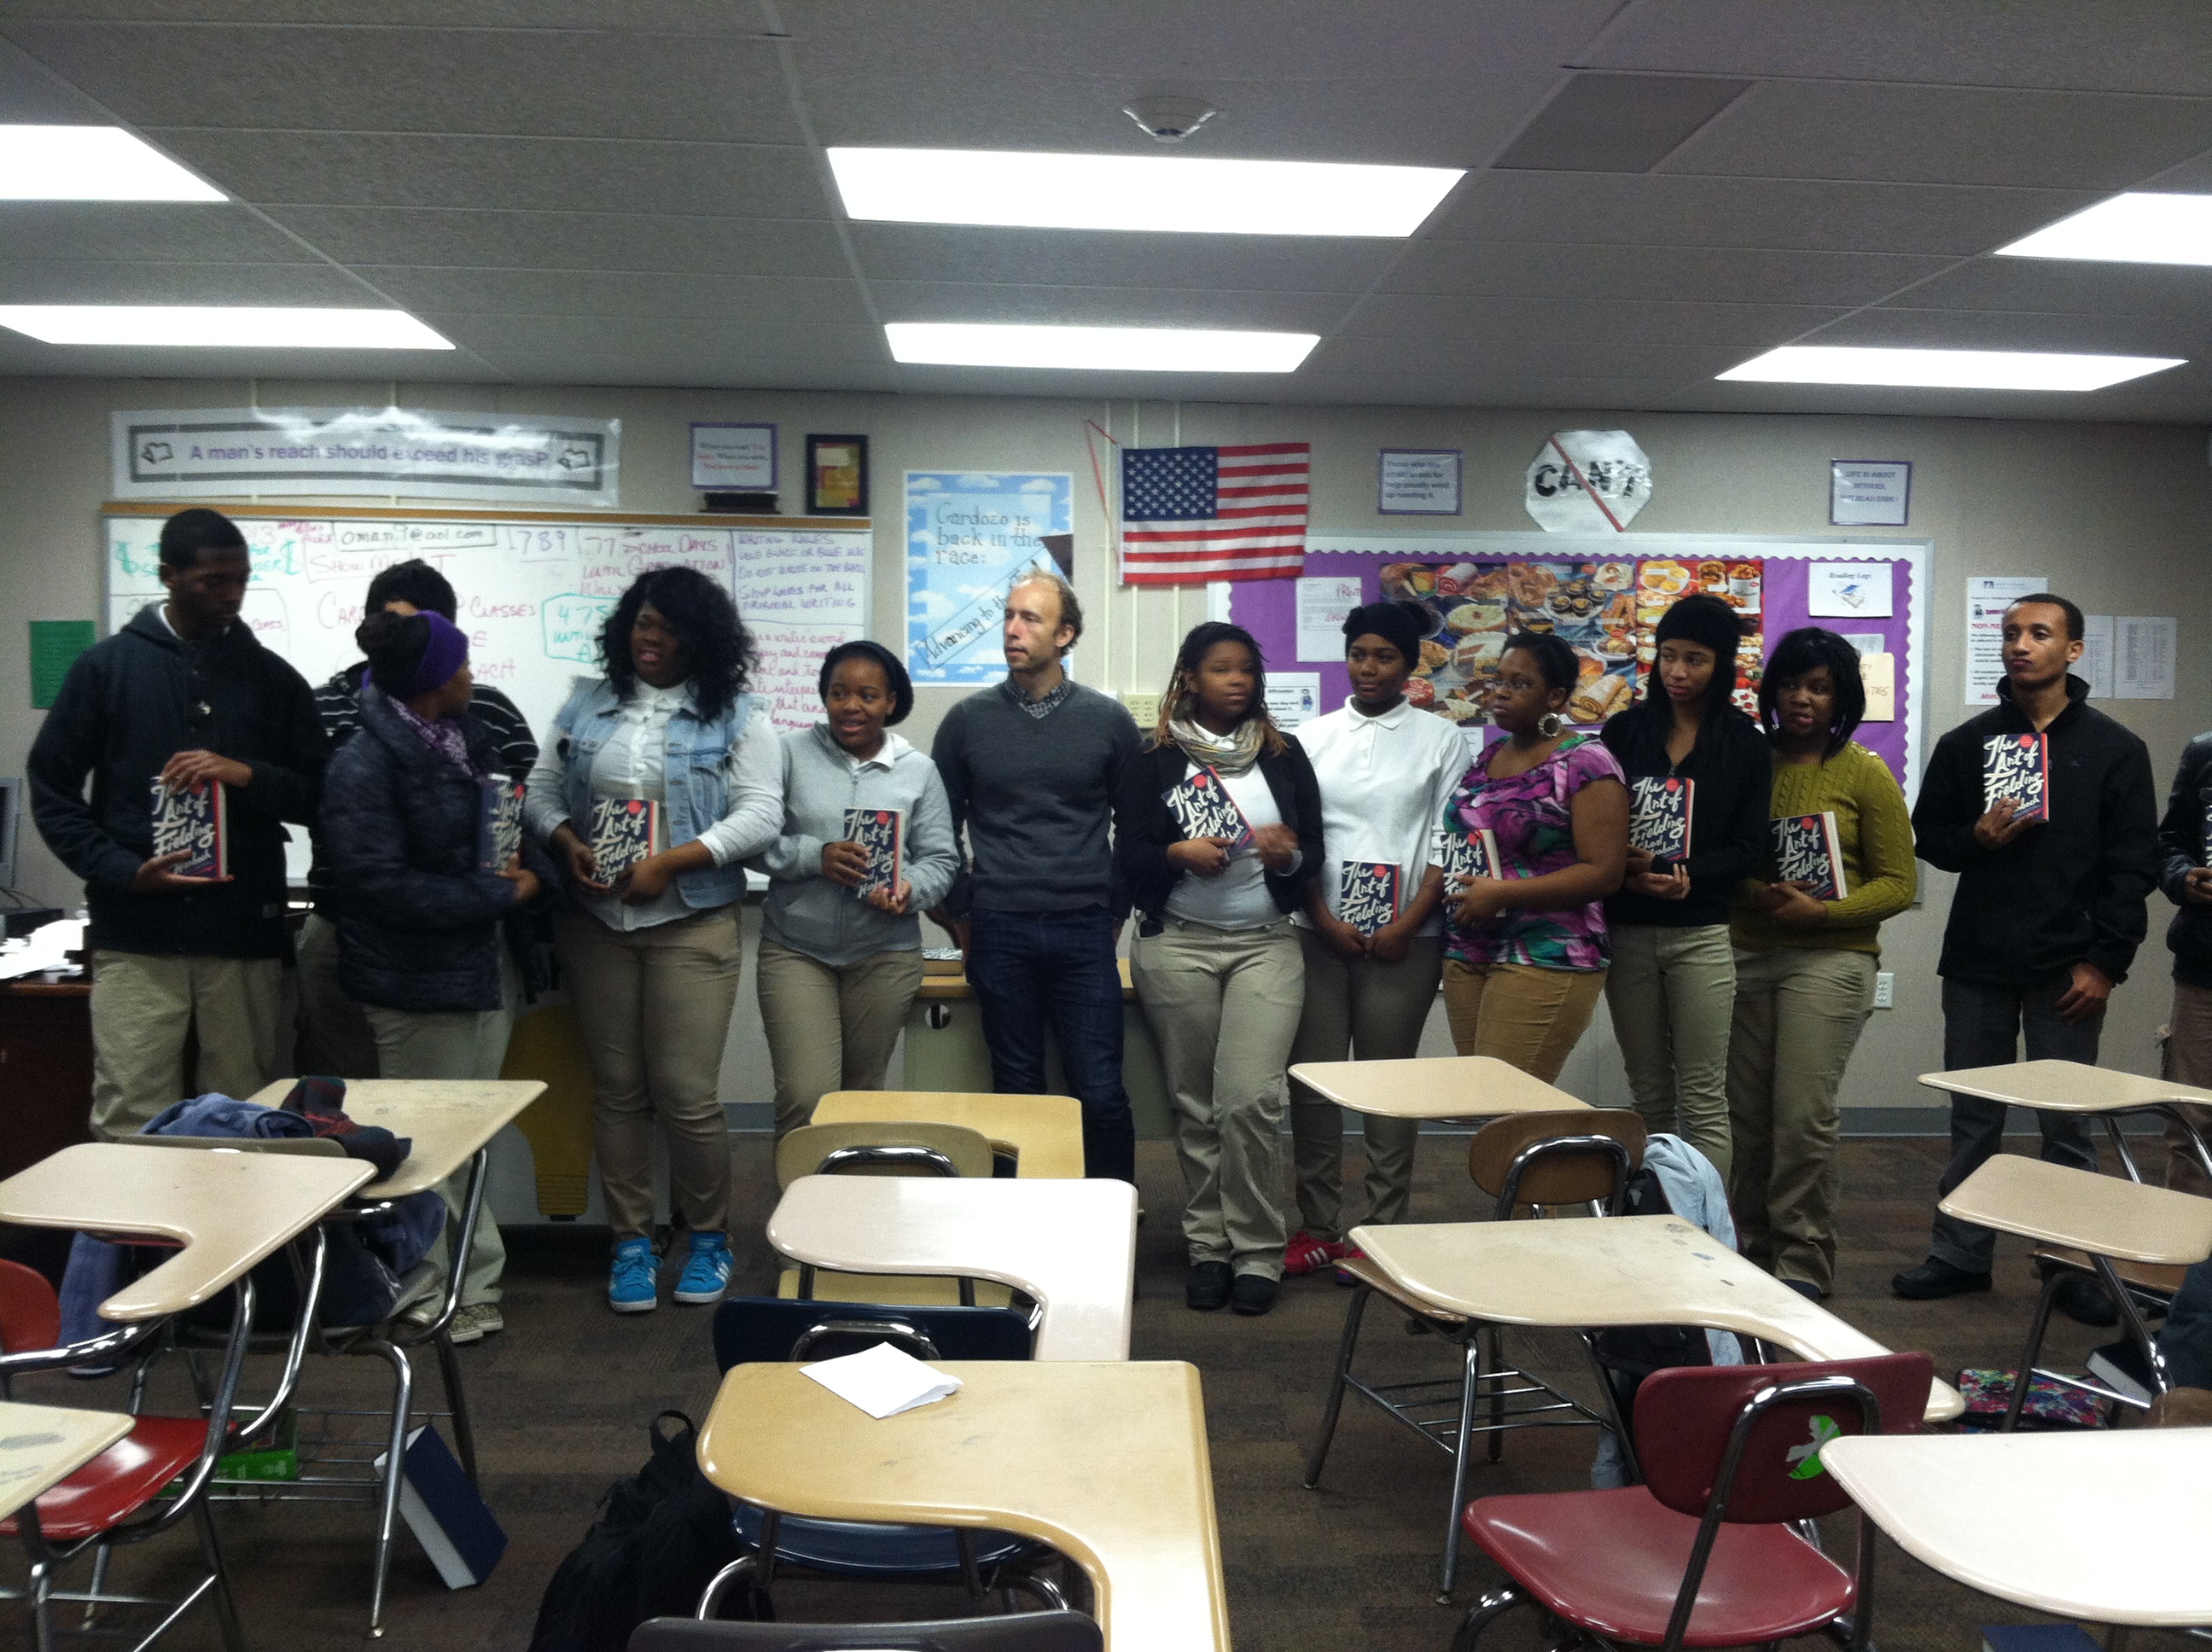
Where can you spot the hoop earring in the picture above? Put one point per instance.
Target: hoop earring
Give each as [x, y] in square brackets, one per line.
[1549, 724]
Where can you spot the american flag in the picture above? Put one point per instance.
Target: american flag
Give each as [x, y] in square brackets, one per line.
[1192, 514]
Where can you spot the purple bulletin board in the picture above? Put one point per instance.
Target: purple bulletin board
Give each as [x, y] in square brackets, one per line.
[1268, 608]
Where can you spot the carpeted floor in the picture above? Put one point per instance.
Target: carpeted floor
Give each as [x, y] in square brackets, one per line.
[562, 1399]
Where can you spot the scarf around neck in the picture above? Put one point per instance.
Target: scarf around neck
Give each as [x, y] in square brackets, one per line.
[1233, 753]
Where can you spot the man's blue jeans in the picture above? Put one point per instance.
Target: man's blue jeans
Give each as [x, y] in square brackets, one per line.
[1028, 969]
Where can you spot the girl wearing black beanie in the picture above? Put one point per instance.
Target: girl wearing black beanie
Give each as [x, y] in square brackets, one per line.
[1672, 987]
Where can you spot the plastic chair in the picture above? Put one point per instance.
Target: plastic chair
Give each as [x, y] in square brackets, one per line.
[116, 1498]
[2148, 1288]
[1031, 1632]
[884, 1149]
[1535, 1161]
[1703, 1554]
[754, 1330]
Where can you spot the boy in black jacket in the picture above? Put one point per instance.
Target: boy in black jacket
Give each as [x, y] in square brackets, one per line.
[2186, 879]
[2046, 917]
[182, 693]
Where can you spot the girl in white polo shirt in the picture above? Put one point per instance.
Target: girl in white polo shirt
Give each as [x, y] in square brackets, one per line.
[1385, 768]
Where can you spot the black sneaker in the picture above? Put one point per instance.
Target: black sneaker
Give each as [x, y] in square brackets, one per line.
[2084, 1302]
[1252, 1293]
[1804, 1288]
[1937, 1277]
[1207, 1287]
[2122, 1366]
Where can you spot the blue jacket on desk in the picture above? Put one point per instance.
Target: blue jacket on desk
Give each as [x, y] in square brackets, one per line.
[418, 918]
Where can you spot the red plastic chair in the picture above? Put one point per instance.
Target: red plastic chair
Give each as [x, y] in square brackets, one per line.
[113, 1498]
[1703, 1554]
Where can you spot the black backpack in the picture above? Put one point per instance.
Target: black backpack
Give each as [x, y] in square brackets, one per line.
[660, 1537]
[1630, 1353]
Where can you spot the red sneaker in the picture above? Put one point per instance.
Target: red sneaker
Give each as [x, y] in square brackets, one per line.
[1343, 1252]
[1307, 1254]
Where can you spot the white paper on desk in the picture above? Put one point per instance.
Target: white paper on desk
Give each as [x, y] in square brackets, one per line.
[882, 1380]
[47, 947]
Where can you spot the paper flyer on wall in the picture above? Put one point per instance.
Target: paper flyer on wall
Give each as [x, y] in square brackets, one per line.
[969, 536]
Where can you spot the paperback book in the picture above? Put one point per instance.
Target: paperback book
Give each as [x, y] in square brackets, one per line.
[2018, 766]
[459, 1533]
[195, 819]
[1474, 855]
[499, 832]
[1659, 817]
[882, 832]
[1808, 849]
[1367, 895]
[1203, 808]
[622, 833]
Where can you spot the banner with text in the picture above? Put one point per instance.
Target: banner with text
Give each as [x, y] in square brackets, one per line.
[264, 452]
[970, 535]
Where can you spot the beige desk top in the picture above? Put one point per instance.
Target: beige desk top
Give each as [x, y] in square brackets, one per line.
[956, 986]
[2110, 1528]
[1106, 1462]
[1072, 1245]
[2064, 1087]
[447, 1118]
[42, 1445]
[1044, 1132]
[228, 1209]
[1438, 1087]
[1593, 1273]
[2103, 1215]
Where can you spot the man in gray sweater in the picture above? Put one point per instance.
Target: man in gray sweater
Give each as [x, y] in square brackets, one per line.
[1031, 769]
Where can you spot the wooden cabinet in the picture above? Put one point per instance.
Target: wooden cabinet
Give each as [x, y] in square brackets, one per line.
[45, 1069]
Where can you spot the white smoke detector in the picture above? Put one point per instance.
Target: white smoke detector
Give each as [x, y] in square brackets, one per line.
[1169, 120]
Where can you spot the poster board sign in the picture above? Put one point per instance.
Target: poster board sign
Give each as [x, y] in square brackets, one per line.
[969, 536]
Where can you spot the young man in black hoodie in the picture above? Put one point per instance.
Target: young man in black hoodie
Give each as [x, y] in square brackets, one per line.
[2046, 917]
[182, 693]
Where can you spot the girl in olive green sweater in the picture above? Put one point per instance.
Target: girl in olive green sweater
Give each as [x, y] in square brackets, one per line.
[1804, 964]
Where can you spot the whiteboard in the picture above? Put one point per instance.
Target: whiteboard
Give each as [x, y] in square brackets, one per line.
[534, 588]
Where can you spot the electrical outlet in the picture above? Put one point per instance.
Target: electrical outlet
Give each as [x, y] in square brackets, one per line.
[1885, 989]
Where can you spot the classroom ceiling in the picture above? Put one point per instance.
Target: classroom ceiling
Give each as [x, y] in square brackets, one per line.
[634, 191]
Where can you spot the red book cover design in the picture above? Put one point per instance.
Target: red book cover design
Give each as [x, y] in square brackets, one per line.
[1808, 849]
[195, 819]
[1659, 817]
[1472, 854]
[2018, 766]
[622, 833]
[1203, 808]
[882, 832]
[1367, 895]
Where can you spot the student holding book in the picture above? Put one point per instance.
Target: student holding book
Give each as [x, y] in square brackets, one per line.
[660, 778]
[867, 846]
[1223, 833]
[1371, 931]
[2046, 810]
[423, 839]
[1698, 778]
[1532, 839]
[182, 698]
[1807, 942]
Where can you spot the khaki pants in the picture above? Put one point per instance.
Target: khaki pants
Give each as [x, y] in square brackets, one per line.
[469, 1044]
[332, 1032]
[1360, 1009]
[1673, 995]
[1527, 1017]
[1799, 1011]
[830, 1028]
[1224, 1004]
[143, 1003]
[2188, 1061]
[654, 1005]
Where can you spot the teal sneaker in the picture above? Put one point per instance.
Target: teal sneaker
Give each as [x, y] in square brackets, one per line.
[706, 1271]
[635, 1287]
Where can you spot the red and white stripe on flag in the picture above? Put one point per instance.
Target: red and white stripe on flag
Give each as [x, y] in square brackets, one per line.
[1258, 531]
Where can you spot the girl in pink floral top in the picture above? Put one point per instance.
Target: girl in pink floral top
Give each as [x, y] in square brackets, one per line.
[1525, 940]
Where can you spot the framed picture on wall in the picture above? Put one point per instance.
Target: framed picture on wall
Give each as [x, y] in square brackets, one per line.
[836, 476]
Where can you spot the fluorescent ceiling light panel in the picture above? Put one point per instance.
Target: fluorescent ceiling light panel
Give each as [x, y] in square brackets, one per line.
[228, 327]
[1814, 364]
[2127, 229]
[91, 163]
[1128, 349]
[1157, 192]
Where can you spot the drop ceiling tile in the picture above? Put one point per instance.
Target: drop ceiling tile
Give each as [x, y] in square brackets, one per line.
[2099, 334]
[1108, 306]
[1056, 257]
[1663, 209]
[153, 231]
[1946, 135]
[496, 240]
[565, 175]
[1477, 390]
[28, 358]
[552, 335]
[64, 281]
[2029, 43]
[1428, 317]
[735, 299]
[690, 369]
[1698, 274]
[2071, 286]
[681, 16]
[1618, 122]
[354, 79]
[1532, 357]
[32, 94]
